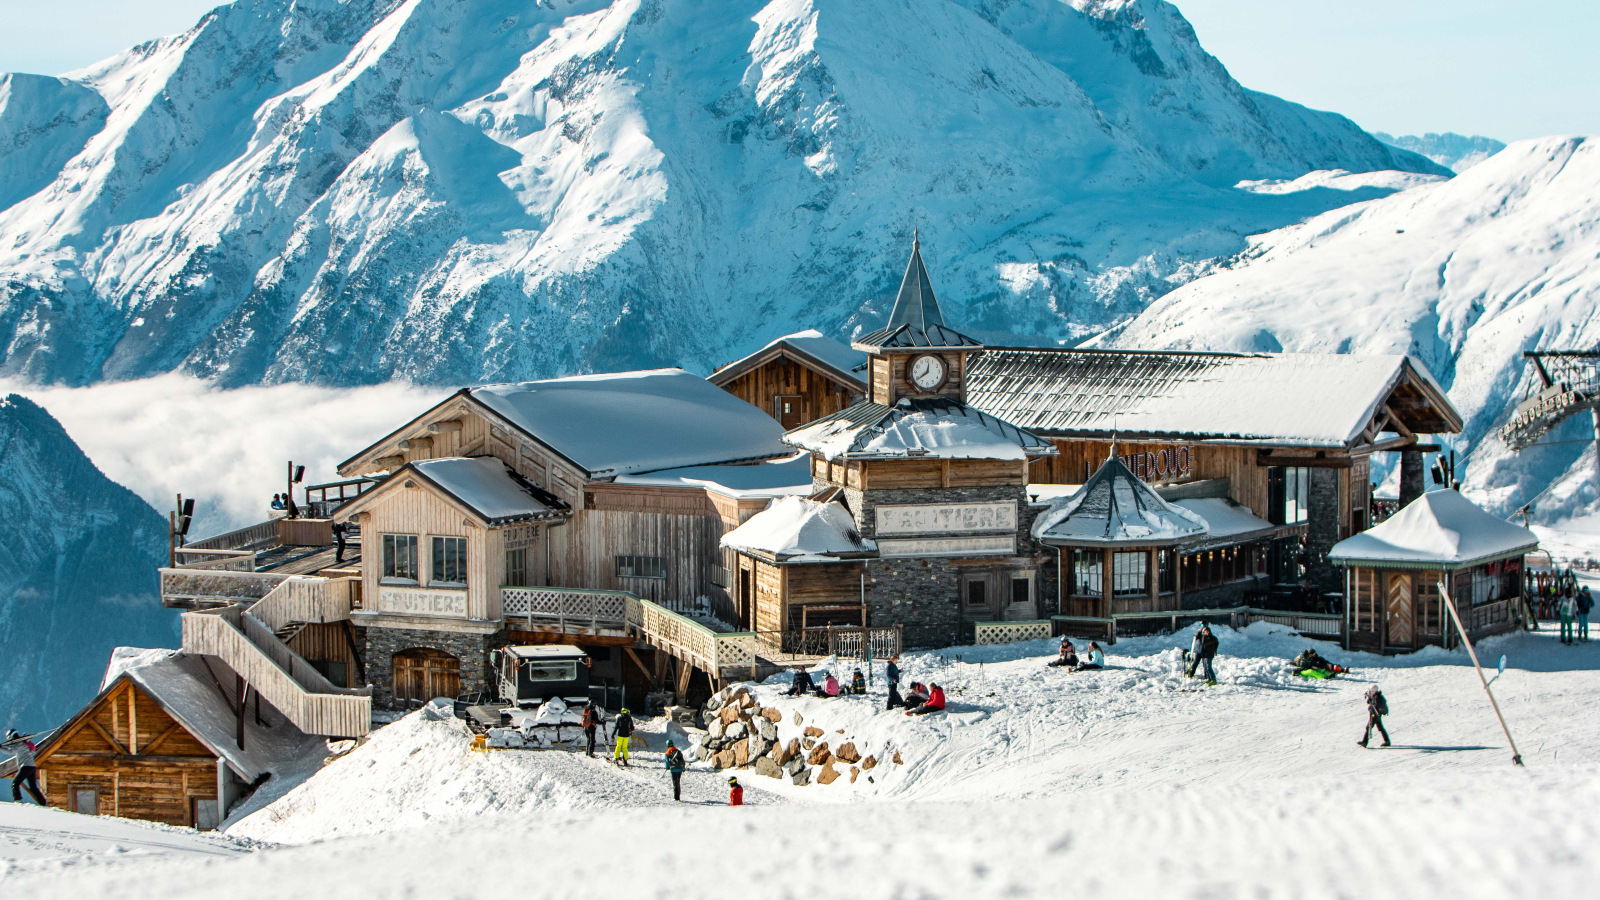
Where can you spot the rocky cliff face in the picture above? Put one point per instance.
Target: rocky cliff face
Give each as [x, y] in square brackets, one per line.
[77, 571]
[346, 191]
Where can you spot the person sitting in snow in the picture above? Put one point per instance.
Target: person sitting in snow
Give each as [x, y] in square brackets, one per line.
[830, 687]
[1068, 657]
[802, 683]
[917, 696]
[858, 682]
[934, 703]
[1097, 659]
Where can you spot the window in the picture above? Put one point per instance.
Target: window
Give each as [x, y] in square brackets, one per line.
[400, 557]
[1288, 488]
[1087, 573]
[719, 576]
[641, 567]
[550, 671]
[86, 800]
[1130, 576]
[976, 595]
[1169, 571]
[1021, 590]
[517, 567]
[449, 560]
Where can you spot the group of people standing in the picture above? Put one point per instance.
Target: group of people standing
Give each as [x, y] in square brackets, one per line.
[1574, 607]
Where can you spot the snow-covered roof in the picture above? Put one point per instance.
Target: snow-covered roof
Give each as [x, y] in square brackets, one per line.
[489, 488]
[773, 478]
[833, 357]
[1440, 528]
[1311, 399]
[180, 684]
[797, 529]
[1115, 507]
[935, 428]
[1226, 521]
[631, 422]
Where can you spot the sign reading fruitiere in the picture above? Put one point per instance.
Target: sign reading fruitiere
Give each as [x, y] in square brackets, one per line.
[422, 602]
[946, 518]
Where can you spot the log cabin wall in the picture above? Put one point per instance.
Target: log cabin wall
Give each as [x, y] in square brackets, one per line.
[321, 644]
[901, 474]
[1247, 480]
[784, 376]
[420, 512]
[584, 553]
[891, 381]
[150, 768]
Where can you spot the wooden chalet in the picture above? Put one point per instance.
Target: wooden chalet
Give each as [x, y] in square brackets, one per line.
[797, 378]
[1394, 570]
[170, 738]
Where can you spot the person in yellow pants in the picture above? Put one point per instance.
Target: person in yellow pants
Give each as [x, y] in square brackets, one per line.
[624, 732]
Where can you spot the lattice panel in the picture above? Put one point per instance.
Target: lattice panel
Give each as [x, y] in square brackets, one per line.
[1010, 632]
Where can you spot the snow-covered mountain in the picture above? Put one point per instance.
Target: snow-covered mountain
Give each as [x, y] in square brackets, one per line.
[346, 191]
[1466, 274]
[77, 574]
[1456, 152]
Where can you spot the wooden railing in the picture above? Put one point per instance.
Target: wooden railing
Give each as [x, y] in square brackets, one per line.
[302, 599]
[189, 585]
[985, 633]
[227, 560]
[683, 637]
[576, 610]
[288, 682]
[265, 533]
[1488, 616]
[1327, 626]
[1319, 625]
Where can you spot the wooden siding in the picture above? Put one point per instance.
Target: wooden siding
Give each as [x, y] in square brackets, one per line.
[890, 381]
[820, 394]
[1079, 459]
[419, 511]
[584, 553]
[824, 583]
[327, 643]
[150, 768]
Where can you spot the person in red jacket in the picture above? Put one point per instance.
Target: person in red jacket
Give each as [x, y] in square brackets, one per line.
[735, 793]
[935, 702]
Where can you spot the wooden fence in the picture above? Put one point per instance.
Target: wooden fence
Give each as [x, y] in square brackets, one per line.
[1322, 626]
[189, 587]
[680, 636]
[985, 633]
[302, 599]
[574, 610]
[262, 533]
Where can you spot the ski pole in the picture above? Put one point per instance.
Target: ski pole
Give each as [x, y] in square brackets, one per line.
[1455, 614]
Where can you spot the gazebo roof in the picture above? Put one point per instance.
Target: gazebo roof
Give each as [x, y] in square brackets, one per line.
[1115, 508]
[1440, 528]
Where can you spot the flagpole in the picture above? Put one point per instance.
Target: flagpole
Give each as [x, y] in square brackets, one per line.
[1455, 614]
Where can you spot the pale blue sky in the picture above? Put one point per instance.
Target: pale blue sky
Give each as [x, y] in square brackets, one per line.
[1509, 69]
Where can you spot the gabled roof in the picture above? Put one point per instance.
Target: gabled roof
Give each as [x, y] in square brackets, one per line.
[1313, 400]
[773, 478]
[181, 685]
[916, 320]
[483, 486]
[811, 347]
[1115, 508]
[935, 428]
[795, 529]
[1440, 528]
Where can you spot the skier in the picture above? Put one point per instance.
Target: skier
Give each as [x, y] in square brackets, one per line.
[1208, 650]
[1068, 656]
[1097, 659]
[894, 696]
[624, 732]
[858, 682]
[802, 683]
[1192, 656]
[892, 670]
[593, 718]
[735, 793]
[675, 767]
[1585, 604]
[935, 702]
[1377, 708]
[27, 772]
[1566, 607]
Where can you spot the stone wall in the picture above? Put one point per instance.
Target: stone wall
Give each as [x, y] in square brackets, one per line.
[384, 643]
[1322, 529]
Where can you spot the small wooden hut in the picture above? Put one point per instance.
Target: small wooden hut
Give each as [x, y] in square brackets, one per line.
[1393, 571]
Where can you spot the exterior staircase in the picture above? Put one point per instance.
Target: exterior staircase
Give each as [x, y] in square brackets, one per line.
[251, 638]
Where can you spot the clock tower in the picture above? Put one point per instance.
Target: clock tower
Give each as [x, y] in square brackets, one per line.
[916, 355]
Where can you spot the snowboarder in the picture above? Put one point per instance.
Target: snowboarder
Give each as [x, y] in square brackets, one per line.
[675, 767]
[1377, 708]
[1585, 605]
[735, 793]
[1208, 650]
[27, 772]
[935, 702]
[858, 682]
[1068, 656]
[1567, 607]
[593, 718]
[624, 732]
[892, 670]
[1097, 659]
[894, 696]
[802, 683]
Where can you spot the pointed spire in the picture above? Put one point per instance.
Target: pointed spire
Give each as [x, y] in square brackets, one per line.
[916, 305]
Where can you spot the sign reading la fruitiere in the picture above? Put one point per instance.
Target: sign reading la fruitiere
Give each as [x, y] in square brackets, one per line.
[422, 601]
[947, 529]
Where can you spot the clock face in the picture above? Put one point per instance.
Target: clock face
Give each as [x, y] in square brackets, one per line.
[927, 372]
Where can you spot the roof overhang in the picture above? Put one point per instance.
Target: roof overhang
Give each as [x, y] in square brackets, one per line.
[1428, 564]
[784, 350]
[408, 472]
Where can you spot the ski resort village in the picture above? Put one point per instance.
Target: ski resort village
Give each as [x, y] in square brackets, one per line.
[816, 449]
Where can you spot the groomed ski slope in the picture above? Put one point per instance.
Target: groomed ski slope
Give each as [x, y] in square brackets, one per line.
[1037, 782]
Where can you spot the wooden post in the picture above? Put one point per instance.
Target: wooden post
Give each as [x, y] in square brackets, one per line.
[1107, 565]
[1516, 757]
[133, 725]
[243, 692]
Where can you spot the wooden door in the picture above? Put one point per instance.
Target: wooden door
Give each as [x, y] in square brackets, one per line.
[423, 674]
[789, 410]
[744, 600]
[1399, 619]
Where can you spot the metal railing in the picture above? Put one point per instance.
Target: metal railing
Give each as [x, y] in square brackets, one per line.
[568, 609]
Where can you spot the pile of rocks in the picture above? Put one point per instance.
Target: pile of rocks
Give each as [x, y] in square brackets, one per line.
[741, 733]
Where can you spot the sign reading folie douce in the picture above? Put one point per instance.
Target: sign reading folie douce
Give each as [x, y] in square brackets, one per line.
[947, 518]
[423, 602]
